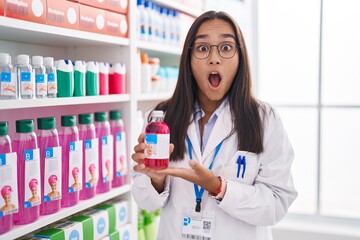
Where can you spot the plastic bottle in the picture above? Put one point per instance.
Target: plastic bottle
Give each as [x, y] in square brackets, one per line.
[79, 78]
[104, 78]
[28, 172]
[120, 153]
[51, 77]
[90, 155]
[166, 26]
[8, 187]
[50, 165]
[143, 19]
[92, 78]
[40, 77]
[103, 133]
[65, 78]
[149, 225]
[8, 87]
[141, 232]
[159, 25]
[157, 137]
[25, 77]
[71, 161]
[145, 74]
[177, 28]
[117, 82]
[151, 21]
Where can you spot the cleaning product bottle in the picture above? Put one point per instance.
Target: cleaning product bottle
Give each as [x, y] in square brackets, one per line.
[28, 172]
[120, 153]
[117, 82]
[103, 133]
[149, 226]
[87, 134]
[8, 87]
[51, 77]
[25, 77]
[104, 78]
[40, 77]
[50, 165]
[145, 74]
[157, 138]
[8, 186]
[71, 161]
[92, 78]
[65, 79]
[79, 78]
[141, 232]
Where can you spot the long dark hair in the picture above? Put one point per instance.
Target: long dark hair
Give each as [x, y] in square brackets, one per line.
[243, 105]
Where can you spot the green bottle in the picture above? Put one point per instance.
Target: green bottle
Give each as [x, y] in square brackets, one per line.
[79, 78]
[65, 79]
[141, 233]
[149, 226]
[92, 79]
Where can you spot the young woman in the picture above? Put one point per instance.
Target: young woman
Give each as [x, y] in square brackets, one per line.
[229, 175]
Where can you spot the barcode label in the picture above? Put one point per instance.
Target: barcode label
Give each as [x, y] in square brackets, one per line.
[189, 236]
[207, 225]
[6, 174]
[17, 8]
[56, 18]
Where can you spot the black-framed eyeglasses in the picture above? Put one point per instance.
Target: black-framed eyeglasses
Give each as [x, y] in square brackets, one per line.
[202, 50]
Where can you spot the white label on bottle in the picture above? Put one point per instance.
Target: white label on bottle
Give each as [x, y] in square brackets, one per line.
[107, 155]
[8, 84]
[91, 162]
[41, 84]
[157, 146]
[121, 155]
[75, 166]
[52, 174]
[8, 184]
[52, 83]
[27, 83]
[32, 184]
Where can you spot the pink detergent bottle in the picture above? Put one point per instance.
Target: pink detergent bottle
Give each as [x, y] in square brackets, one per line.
[71, 161]
[117, 80]
[90, 155]
[104, 78]
[157, 137]
[28, 172]
[102, 127]
[120, 153]
[8, 187]
[50, 165]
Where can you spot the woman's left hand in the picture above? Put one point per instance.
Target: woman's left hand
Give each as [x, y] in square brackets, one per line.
[199, 175]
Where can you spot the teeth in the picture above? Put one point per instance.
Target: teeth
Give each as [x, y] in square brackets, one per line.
[214, 73]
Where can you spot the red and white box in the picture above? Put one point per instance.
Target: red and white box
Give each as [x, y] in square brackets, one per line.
[28, 10]
[119, 6]
[94, 3]
[62, 13]
[2, 7]
[92, 19]
[116, 24]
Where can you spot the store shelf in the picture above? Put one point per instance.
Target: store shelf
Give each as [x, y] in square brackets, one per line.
[153, 96]
[158, 48]
[23, 31]
[49, 102]
[19, 231]
[178, 6]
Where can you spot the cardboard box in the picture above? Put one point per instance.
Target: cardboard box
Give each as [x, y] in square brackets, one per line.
[125, 232]
[87, 225]
[116, 24]
[2, 7]
[63, 230]
[92, 19]
[101, 224]
[94, 3]
[119, 6]
[62, 13]
[28, 10]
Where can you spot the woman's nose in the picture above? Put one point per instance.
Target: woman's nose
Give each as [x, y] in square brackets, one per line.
[214, 56]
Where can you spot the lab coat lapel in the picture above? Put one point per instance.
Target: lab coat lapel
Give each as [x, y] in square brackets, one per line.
[191, 132]
[221, 130]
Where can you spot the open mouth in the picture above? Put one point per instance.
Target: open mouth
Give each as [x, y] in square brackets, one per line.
[214, 79]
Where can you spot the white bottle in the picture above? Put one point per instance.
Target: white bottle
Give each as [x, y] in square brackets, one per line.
[177, 28]
[40, 77]
[151, 21]
[144, 20]
[145, 74]
[167, 27]
[51, 77]
[8, 87]
[25, 77]
[159, 25]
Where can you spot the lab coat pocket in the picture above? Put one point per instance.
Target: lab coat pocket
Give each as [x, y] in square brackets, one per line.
[243, 167]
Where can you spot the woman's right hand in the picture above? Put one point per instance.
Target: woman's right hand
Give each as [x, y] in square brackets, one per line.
[157, 179]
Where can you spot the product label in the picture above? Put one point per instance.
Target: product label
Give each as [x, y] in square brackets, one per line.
[157, 146]
[52, 175]
[92, 162]
[75, 166]
[41, 84]
[107, 157]
[121, 155]
[8, 184]
[72, 230]
[32, 178]
[51, 84]
[8, 84]
[26, 83]
[101, 222]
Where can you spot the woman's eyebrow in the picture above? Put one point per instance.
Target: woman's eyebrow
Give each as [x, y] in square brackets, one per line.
[224, 35]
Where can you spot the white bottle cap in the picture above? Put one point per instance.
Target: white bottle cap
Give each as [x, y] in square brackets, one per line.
[157, 113]
[37, 60]
[65, 65]
[104, 67]
[22, 59]
[92, 66]
[80, 66]
[120, 68]
[48, 61]
[4, 58]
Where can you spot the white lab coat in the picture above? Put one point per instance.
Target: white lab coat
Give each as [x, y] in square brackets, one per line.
[251, 204]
